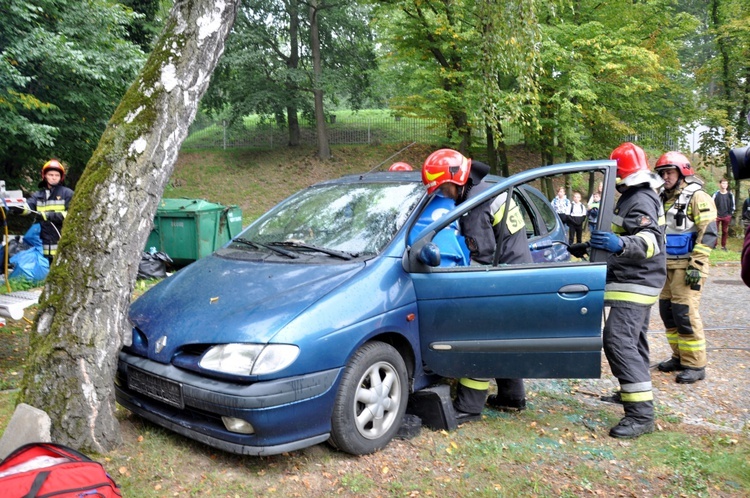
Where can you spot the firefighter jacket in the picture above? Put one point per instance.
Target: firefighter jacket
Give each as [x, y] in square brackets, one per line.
[691, 226]
[52, 207]
[636, 275]
[482, 227]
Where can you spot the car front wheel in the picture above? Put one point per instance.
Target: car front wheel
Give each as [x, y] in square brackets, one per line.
[371, 400]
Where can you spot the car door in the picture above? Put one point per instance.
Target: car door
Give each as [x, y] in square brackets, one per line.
[540, 320]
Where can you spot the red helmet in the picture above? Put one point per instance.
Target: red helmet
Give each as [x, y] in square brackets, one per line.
[400, 166]
[445, 165]
[54, 165]
[675, 160]
[630, 159]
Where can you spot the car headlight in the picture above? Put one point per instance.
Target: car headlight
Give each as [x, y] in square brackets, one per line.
[249, 359]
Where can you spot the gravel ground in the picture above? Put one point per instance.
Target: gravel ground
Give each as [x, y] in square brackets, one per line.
[722, 400]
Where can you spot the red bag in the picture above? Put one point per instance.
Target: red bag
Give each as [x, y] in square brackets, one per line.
[49, 469]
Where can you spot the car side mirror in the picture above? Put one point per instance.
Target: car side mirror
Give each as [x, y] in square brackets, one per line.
[430, 254]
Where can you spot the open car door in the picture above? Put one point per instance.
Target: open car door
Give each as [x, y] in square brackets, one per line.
[539, 320]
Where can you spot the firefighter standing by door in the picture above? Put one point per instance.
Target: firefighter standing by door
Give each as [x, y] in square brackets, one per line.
[50, 203]
[459, 178]
[691, 236]
[636, 271]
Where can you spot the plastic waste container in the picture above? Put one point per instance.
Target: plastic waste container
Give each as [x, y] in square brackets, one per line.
[189, 229]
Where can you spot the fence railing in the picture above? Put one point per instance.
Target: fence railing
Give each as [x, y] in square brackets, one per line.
[343, 131]
[354, 130]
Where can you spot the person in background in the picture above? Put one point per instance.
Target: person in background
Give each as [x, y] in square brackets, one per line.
[561, 205]
[725, 206]
[50, 204]
[598, 193]
[576, 218]
[593, 211]
[459, 178]
[400, 166]
[636, 272]
[691, 236]
[746, 211]
[745, 261]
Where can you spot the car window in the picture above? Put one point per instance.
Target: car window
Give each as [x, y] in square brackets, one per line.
[545, 210]
[357, 218]
[532, 230]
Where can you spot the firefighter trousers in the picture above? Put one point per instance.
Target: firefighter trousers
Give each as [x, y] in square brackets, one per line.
[626, 348]
[678, 307]
[471, 394]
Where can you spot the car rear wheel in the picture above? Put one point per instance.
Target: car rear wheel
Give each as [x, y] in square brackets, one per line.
[371, 400]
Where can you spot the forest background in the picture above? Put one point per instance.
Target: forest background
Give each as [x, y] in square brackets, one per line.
[598, 73]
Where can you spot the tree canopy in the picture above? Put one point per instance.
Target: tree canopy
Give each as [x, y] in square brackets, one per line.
[64, 66]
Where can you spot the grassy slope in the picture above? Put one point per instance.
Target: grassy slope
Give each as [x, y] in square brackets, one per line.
[557, 448]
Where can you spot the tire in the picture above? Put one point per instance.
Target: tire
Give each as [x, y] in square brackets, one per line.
[371, 400]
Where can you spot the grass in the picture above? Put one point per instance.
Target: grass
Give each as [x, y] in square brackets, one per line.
[559, 447]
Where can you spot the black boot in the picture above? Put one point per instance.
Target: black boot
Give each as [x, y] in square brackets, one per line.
[691, 375]
[670, 365]
[506, 404]
[630, 428]
[638, 420]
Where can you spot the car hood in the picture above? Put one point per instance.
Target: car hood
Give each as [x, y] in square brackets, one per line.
[215, 300]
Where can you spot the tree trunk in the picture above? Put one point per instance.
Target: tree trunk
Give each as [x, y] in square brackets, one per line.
[324, 149]
[82, 318]
[491, 152]
[292, 64]
[292, 121]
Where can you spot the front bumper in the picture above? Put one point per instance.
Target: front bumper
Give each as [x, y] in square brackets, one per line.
[287, 414]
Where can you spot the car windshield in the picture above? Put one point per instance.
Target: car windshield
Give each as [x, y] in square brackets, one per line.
[353, 218]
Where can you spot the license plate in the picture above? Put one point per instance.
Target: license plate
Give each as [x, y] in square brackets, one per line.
[156, 387]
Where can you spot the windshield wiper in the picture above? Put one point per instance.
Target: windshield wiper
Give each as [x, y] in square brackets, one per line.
[301, 245]
[259, 245]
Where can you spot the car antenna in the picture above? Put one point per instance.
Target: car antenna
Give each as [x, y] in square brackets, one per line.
[386, 160]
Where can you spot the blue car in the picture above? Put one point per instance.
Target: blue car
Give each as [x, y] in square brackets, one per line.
[319, 320]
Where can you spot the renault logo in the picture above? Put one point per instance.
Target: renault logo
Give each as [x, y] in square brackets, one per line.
[161, 343]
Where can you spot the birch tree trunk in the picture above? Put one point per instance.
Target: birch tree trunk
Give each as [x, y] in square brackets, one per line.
[82, 318]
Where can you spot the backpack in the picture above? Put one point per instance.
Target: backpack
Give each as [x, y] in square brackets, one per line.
[53, 470]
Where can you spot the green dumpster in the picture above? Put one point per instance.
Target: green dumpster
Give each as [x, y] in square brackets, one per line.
[189, 229]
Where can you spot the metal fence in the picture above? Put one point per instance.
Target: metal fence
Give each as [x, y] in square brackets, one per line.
[354, 130]
[342, 131]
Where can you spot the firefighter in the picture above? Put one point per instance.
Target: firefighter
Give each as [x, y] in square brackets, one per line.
[691, 236]
[50, 203]
[636, 271]
[459, 178]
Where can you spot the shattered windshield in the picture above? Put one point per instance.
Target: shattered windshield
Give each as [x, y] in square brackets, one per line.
[353, 218]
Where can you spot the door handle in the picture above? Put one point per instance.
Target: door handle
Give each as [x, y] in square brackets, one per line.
[573, 289]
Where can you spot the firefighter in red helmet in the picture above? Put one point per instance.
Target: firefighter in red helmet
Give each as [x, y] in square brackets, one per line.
[460, 178]
[691, 236]
[400, 166]
[50, 203]
[636, 271]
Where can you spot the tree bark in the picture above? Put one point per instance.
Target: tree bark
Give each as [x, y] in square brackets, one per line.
[82, 318]
[324, 148]
[292, 63]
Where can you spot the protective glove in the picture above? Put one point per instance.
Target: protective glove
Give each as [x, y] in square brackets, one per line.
[692, 275]
[578, 250]
[606, 241]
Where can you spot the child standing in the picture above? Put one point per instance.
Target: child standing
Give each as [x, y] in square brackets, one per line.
[576, 218]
